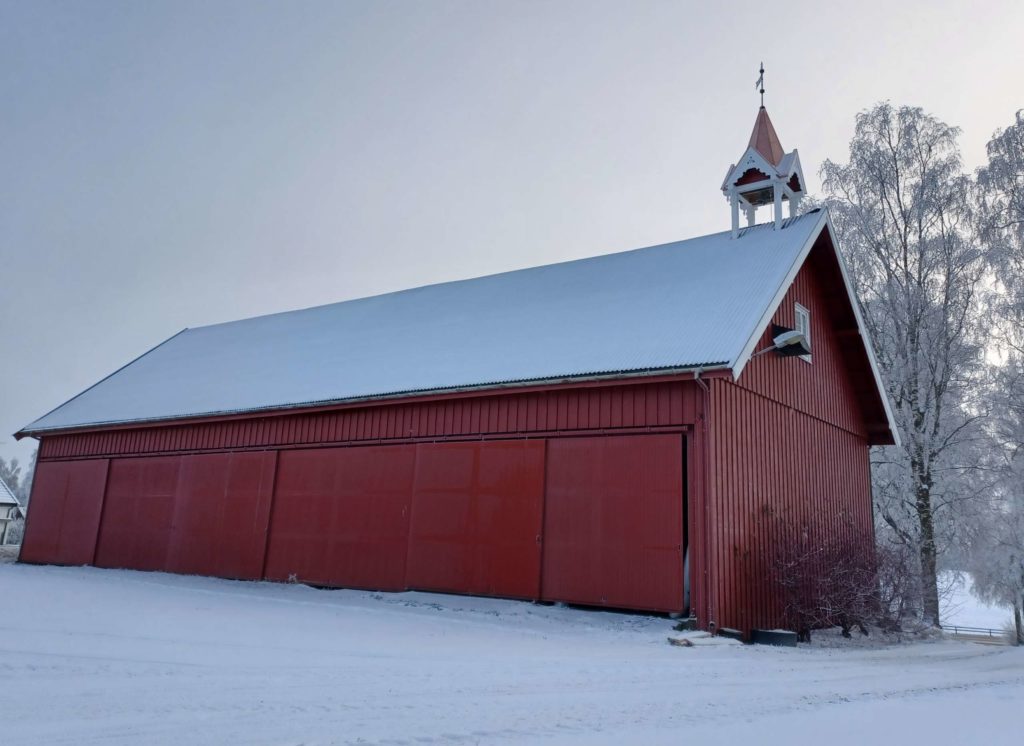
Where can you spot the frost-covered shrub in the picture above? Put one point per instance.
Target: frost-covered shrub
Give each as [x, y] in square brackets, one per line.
[825, 582]
[843, 579]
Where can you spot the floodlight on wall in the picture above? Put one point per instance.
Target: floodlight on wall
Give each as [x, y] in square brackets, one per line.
[787, 343]
[792, 343]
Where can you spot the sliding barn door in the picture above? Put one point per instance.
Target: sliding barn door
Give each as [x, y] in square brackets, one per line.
[476, 518]
[613, 522]
[341, 517]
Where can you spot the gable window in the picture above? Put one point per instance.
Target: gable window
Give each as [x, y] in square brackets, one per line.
[803, 325]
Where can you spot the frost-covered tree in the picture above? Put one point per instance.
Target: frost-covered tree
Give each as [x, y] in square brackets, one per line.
[997, 547]
[26, 482]
[10, 473]
[902, 209]
[1000, 190]
[18, 479]
[997, 551]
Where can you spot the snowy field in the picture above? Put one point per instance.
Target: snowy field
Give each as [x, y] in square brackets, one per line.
[109, 657]
[959, 606]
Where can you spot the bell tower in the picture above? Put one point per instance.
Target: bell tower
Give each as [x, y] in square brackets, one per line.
[764, 175]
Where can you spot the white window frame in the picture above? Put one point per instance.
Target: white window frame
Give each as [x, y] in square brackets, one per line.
[803, 313]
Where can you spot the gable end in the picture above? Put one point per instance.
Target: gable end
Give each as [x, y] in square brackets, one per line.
[841, 385]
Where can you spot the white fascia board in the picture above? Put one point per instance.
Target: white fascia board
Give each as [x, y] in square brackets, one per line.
[799, 171]
[825, 221]
[728, 173]
[863, 331]
[751, 159]
[743, 357]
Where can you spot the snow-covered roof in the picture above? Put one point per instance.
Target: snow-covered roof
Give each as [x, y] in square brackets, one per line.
[7, 496]
[700, 303]
[789, 163]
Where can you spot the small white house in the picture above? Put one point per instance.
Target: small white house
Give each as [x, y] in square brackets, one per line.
[10, 511]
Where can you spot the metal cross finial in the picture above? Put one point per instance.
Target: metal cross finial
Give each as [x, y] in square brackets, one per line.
[759, 83]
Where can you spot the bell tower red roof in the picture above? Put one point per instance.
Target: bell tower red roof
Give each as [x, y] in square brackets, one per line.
[764, 140]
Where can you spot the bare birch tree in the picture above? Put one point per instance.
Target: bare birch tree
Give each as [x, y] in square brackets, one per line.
[901, 208]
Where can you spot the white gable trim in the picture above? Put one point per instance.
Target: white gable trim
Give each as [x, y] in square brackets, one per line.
[743, 358]
[750, 159]
[796, 168]
[753, 159]
[863, 331]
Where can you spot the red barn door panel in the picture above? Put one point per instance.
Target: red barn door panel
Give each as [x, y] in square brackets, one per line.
[64, 515]
[341, 516]
[202, 514]
[476, 518]
[613, 524]
[222, 514]
[139, 513]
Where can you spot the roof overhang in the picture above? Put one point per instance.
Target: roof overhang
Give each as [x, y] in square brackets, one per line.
[690, 372]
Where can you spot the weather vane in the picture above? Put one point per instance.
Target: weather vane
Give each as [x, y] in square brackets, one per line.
[759, 83]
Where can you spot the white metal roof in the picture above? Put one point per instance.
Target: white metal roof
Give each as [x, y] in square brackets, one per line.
[694, 303]
[7, 496]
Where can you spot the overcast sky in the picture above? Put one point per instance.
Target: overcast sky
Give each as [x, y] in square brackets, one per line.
[174, 164]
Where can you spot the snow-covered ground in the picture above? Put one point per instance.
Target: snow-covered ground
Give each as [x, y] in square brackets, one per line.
[105, 657]
[959, 606]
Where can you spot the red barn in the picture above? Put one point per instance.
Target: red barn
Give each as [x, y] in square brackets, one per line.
[607, 432]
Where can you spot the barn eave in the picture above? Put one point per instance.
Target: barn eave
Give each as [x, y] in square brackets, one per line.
[686, 372]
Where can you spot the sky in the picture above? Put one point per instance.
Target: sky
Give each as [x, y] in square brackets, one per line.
[173, 164]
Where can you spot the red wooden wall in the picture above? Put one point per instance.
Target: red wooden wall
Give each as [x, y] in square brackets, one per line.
[434, 495]
[773, 467]
[61, 528]
[788, 450]
[822, 388]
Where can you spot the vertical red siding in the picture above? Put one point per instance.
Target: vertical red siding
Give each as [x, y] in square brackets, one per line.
[341, 517]
[774, 463]
[221, 515]
[613, 522]
[67, 499]
[443, 494]
[788, 445]
[822, 388]
[139, 513]
[204, 514]
[697, 513]
[476, 518]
